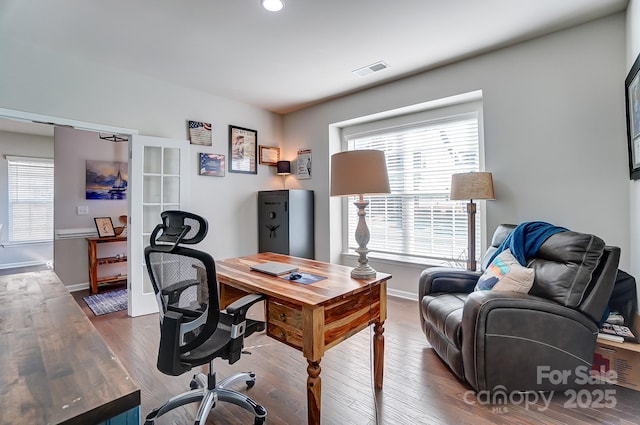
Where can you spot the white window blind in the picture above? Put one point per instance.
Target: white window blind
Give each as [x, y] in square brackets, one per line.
[417, 220]
[30, 199]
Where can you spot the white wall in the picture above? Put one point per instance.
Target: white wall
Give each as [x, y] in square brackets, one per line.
[554, 134]
[18, 144]
[38, 81]
[72, 149]
[633, 50]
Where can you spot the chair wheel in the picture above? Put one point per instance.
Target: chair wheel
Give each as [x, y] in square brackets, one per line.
[148, 422]
[250, 384]
[193, 385]
[258, 421]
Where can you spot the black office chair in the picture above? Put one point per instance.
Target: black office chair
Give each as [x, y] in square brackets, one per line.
[193, 329]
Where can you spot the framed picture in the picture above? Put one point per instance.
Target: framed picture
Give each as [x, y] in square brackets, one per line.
[243, 150]
[106, 180]
[105, 227]
[269, 155]
[303, 165]
[200, 133]
[632, 98]
[211, 164]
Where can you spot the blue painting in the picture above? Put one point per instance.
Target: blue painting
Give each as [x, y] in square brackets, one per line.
[107, 180]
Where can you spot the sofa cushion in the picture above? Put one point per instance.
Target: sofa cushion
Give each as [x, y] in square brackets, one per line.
[506, 274]
[444, 313]
[564, 266]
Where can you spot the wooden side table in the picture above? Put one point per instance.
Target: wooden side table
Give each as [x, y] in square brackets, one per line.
[94, 262]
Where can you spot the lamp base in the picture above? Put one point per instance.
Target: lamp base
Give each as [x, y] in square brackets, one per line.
[363, 272]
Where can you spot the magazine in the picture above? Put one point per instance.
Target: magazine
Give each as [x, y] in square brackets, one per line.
[618, 330]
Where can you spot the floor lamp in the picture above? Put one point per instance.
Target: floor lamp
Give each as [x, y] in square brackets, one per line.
[360, 172]
[476, 185]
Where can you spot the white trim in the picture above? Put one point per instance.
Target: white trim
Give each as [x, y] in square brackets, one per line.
[396, 293]
[89, 232]
[77, 287]
[25, 264]
[63, 122]
[20, 244]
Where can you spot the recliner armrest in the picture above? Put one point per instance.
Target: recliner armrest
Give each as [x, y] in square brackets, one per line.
[447, 280]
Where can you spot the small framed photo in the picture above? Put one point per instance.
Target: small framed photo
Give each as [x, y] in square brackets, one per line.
[200, 133]
[632, 97]
[303, 165]
[243, 150]
[211, 164]
[105, 227]
[269, 155]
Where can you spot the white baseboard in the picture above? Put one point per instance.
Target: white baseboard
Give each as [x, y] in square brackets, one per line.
[25, 264]
[78, 287]
[402, 294]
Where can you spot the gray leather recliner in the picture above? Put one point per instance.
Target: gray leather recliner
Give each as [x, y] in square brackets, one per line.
[511, 341]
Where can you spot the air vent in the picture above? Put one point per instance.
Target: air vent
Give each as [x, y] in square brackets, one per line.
[370, 69]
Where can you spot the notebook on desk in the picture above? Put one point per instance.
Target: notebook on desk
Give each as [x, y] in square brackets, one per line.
[274, 269]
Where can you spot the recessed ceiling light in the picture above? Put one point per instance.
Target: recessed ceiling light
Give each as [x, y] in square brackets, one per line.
[272, 5]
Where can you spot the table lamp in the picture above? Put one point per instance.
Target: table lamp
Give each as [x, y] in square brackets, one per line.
[284, 169]
[475, 185]
[360, 173]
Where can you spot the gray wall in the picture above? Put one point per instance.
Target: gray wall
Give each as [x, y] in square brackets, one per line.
[554, 135]
[18, 144]
[72, 149]
[633, 50]
[39, 81]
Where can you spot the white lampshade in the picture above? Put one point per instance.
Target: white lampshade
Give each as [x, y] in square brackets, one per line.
[359, 173]
[475, 185]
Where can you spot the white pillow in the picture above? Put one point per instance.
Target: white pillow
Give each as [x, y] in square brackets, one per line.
[506, 274]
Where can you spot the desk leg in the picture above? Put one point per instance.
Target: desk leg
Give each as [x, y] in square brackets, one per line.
[378, 354]
[314, 390]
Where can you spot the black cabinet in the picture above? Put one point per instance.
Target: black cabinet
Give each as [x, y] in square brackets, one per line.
[285, 222]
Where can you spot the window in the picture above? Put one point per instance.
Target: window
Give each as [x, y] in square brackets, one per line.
[417, 221]
[30, 199]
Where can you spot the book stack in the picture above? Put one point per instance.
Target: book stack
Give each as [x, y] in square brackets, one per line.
[613, 329]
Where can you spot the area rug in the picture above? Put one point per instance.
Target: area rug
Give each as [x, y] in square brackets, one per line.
[107, 302]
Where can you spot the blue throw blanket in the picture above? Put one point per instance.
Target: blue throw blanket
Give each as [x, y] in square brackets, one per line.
[525, 240]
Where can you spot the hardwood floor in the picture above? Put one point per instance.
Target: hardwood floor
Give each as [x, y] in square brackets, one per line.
[418, 387]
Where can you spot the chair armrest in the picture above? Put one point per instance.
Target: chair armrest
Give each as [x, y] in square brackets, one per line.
[447, 280]
[169, 351]
[240, 307]
[174, 292]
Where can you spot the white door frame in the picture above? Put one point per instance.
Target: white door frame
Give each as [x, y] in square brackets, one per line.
[64, 122]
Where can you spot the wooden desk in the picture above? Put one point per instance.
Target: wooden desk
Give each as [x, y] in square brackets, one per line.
[315, 317]
[55, 366]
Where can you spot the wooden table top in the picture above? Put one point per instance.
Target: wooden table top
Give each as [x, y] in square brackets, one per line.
[55, 366]
[338, 284]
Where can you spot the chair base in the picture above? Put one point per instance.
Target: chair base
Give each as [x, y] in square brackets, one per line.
[208, 393]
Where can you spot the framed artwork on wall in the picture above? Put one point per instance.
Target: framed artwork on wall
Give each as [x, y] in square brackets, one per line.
[269, 155]
[243, 150]
[211, 164]
[303, 164]
[200, 133]
[632, 98]
[106, 180]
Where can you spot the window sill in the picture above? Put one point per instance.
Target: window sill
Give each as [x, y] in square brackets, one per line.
[405, 261]
[19, 244]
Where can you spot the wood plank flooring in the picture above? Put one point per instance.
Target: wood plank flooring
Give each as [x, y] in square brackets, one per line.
[418, 387]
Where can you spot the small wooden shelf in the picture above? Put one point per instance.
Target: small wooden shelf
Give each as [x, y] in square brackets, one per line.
[94, 262]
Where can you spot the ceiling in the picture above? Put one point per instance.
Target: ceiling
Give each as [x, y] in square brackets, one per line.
[297, 57]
